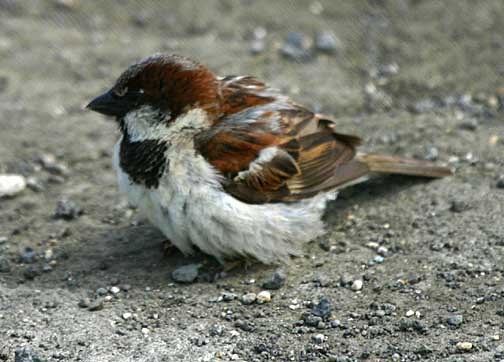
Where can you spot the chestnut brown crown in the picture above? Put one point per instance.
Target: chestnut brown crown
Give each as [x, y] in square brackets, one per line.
[170, 83]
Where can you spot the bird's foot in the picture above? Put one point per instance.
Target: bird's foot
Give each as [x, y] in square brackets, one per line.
[168, 248]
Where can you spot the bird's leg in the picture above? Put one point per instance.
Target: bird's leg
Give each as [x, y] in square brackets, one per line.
[237, 264]
[168, 247]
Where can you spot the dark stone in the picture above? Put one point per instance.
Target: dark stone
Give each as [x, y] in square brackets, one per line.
[276, 281]
[297, 47]
[4, 264]
[244, 325]
[67, 210]
[327, 42]
[500, 182]
[311, 320]
[469, 124]
[28, 256]
[26, 354]
[323, 308]
[460, 206]
[455, 320]
[30, 273]
[407, 325]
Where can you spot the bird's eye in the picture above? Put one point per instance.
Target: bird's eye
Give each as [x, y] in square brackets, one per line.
[121, 92]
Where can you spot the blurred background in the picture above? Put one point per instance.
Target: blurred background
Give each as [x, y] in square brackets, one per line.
[340, 58]
[421, 78]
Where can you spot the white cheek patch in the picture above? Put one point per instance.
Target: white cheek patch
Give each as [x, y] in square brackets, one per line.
[144, 124]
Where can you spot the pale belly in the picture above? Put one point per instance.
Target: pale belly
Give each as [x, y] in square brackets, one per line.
[192, 210]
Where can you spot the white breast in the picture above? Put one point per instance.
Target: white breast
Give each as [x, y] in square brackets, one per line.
[191, 208]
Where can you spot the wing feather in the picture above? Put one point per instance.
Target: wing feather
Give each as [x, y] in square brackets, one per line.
[272, 150]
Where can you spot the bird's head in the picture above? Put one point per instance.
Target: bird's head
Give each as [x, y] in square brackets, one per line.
[159, 89]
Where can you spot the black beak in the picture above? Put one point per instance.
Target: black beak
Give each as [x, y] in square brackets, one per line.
[108, 104]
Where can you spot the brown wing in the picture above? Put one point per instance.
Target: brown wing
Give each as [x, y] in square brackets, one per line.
[279, 152]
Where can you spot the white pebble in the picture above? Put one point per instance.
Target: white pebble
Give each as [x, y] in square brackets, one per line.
[145, 331]
[11, 185]
[115, 290]
[357, 285]
[126, 316]
[263, 297]
[318, 338]
[464, 346]
[410, 313]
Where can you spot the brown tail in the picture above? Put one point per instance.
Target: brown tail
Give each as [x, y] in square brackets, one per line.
[403, 166]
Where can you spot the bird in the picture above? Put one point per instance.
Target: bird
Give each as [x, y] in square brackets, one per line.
[228, 165]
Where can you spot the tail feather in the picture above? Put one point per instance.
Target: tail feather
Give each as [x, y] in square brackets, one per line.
[403, 166]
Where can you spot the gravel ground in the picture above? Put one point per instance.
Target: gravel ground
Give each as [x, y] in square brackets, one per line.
[410, 270]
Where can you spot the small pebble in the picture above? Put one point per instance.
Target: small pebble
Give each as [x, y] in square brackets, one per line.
[323, 280]
[28, 256]
[423, 106]
[34, 184]
[335, 323]
[327, 42]
[248, 298]
[357, 285]
[4, 264]
[244, 325]
[383, 251]
[263, 297]
[469, 124]
[84, 303]
[26, 354]
[257, 46]
[216, 330]
[276, 281]
[318, 338]
[11, 185]
[410, 313]
[323, 308]
[30, 273]
[96, 305]
[345, 280]
[227, 297]
[464, 346]
[67, 210]
[500, 182]
[126, 316]
[378, 259]
[460, 206]
[186, 273]
[297, 47]
[145, 330]
[101, 291]
[115, 290]
[432, 154]
[455, 320]
[50, 164]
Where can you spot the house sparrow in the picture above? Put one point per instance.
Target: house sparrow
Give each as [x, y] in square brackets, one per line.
[229, 165]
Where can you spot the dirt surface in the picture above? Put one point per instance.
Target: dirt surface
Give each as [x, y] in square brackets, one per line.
[410, 270]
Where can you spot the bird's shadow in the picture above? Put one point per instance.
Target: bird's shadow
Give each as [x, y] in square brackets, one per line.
[362, 194]
[135, 255]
